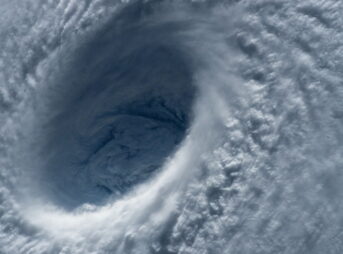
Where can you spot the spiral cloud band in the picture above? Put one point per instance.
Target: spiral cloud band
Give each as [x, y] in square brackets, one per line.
[204, 126]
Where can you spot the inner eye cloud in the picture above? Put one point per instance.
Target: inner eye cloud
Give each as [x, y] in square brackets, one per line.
[171, 127]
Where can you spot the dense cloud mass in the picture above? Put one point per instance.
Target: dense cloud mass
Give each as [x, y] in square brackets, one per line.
[165, 127]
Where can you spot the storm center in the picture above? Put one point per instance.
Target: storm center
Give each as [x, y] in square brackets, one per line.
[115, 123]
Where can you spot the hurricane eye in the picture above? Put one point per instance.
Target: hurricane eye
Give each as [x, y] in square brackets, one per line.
[120, 114]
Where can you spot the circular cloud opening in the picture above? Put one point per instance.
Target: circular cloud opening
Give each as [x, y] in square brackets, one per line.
[118, 111]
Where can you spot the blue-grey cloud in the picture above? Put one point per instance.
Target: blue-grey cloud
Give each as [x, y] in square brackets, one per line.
[171, 127]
